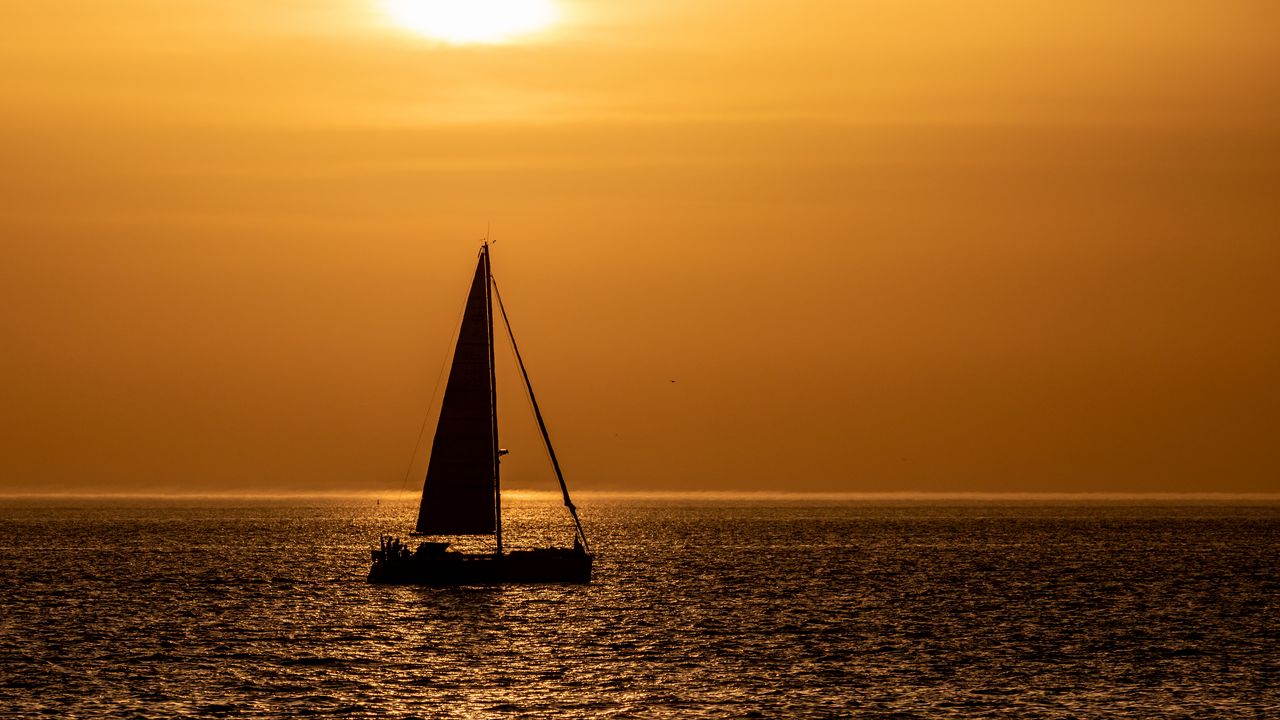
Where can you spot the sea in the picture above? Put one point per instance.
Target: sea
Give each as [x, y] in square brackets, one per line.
[701, 607]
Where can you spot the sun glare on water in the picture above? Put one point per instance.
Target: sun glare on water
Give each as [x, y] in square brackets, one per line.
[472, 21]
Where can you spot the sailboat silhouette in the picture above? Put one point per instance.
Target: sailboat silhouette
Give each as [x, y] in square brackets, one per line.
[462, 492]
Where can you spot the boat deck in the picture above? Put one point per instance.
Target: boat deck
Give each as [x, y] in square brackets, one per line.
[434, 564]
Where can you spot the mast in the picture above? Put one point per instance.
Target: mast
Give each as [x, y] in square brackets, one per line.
[537, 414]
[493, 398]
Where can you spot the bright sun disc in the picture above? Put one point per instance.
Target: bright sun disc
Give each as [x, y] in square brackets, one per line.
[471, 21]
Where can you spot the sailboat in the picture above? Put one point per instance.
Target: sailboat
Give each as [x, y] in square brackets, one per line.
[462, 493]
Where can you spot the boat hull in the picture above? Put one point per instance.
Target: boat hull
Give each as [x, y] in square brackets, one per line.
[425, 567]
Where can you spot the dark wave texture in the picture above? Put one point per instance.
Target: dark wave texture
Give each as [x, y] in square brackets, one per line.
[239, 608]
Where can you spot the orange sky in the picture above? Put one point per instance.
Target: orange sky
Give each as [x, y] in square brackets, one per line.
[881, 246]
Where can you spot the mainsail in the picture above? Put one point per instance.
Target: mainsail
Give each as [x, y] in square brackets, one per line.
[459, 496]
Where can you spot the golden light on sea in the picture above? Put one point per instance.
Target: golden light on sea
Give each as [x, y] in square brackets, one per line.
[472, 21]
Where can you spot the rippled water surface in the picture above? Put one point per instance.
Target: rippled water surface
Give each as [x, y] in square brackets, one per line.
[135, 608]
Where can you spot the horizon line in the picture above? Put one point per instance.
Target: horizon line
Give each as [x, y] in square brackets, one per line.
[739, 495]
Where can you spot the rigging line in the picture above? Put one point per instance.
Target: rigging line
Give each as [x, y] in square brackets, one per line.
[528, 398]
[435, 392]
[537, 414]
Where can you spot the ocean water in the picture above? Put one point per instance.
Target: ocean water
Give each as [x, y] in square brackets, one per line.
[769, 608]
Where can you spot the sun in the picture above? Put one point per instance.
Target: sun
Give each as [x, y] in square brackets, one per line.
[472, 21]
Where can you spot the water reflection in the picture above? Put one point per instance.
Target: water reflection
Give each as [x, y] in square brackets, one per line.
[698, 610]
